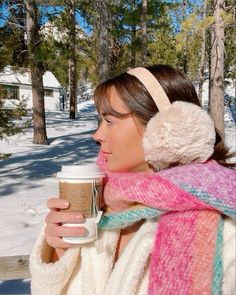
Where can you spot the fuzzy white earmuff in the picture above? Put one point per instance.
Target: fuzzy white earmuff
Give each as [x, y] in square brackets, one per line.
[180, 133]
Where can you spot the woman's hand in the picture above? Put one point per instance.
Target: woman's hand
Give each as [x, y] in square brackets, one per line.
[54, 231]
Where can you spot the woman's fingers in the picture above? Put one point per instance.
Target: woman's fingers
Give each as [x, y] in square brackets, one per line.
[58, 243]
[64, 217]
[65, 231]
[57, 204]
[54, 235]
[55, 230]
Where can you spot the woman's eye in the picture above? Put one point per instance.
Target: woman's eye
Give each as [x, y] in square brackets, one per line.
[108, 121]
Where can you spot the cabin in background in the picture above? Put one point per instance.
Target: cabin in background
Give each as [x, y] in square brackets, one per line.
[17, 89]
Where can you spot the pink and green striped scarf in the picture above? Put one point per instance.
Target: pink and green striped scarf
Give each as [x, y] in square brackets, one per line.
[191, 201]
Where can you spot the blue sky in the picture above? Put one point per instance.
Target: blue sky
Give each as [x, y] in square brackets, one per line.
[81, 21]
[3, 12]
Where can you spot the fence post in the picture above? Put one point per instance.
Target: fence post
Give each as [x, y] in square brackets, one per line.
[14, 267]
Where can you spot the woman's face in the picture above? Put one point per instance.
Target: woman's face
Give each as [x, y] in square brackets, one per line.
[121, 139]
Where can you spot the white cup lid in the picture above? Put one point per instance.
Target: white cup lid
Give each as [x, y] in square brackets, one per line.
[80, 172]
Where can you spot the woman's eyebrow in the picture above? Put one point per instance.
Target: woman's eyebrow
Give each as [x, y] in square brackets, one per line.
[117, 115]
[107, 114]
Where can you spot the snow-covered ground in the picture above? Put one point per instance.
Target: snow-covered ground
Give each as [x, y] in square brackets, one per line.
[28, 177]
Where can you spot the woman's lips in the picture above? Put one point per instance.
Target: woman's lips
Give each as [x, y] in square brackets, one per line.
[106, 154]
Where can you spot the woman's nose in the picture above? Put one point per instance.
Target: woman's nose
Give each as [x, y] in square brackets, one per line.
[99, 135]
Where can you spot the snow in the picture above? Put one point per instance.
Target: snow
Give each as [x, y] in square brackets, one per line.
[22, 76]
[28, 177]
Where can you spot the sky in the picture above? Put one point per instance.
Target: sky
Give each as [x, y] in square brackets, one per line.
[80, 20]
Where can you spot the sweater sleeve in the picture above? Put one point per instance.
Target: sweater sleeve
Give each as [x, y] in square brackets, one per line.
[229, 258]
[50, 278]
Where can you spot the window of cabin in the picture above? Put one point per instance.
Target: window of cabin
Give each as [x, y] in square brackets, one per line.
[12, 92]
[15, 94]
[48, 92]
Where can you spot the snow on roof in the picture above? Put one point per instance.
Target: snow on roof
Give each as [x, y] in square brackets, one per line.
[22, 76]
[49, 80]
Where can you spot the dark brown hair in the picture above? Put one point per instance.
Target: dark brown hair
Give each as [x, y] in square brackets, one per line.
[132, 92]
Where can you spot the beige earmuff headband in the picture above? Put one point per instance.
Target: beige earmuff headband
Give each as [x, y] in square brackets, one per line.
[153, 87]
[181, 132]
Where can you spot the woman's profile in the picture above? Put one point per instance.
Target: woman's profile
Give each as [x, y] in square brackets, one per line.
[168, 225]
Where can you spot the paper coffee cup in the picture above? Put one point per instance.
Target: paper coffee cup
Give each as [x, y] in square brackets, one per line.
[82, 186]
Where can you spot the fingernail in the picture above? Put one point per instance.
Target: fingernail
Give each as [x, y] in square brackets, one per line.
[85, 232]
[65, 204]
[80, 217]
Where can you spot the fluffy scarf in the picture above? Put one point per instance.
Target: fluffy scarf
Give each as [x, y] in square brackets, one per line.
[191, 201]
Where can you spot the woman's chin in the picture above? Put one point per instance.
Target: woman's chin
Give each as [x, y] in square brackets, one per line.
[114, 205]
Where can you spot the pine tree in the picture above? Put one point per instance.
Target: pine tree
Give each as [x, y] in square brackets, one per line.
[8, 119]
[162, 46]
[229, 17]
[144, 32]
[203, 54]
[36, 70]
[71, 45]
[13, 49]
[102, 9]
[217, 68]
[72, 64]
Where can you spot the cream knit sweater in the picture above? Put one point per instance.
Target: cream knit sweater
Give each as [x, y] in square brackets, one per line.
[81, 271]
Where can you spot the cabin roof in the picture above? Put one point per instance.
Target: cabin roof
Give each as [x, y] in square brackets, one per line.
[21, 76]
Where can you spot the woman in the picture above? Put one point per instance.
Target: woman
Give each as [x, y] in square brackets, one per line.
[162, 230]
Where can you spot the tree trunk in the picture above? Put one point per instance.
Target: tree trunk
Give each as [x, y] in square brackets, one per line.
[234, 20]
[217, 69]
[185, 57]
[133, 49]
[235, 87]
[36, 70]
[133, 36]
[203, 53]
[72, 66]
[103, 41]
[144, 32]
[72, 86]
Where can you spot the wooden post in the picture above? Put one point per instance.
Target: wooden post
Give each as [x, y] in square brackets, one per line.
[14, 267]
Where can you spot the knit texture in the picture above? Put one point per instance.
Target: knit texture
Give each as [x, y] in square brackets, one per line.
[186, 256]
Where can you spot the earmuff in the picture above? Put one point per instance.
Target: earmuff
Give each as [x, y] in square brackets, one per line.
[180, 133]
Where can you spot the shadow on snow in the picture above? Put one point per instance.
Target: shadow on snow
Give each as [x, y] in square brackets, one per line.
[45, 161]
